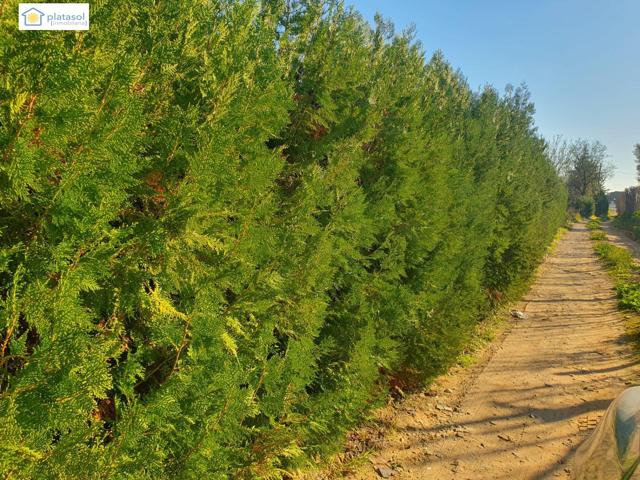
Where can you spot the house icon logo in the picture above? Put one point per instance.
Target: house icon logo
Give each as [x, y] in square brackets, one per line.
[33, 17]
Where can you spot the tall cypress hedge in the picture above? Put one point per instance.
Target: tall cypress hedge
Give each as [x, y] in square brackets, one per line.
[227, 226]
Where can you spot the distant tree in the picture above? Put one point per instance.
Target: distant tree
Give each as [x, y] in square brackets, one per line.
[558, 154]
[601, 205]
[585, 205]
[588, 169]
[636, 152]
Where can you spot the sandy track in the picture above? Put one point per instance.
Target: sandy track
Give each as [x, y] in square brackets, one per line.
[521, 413]
[621, 239]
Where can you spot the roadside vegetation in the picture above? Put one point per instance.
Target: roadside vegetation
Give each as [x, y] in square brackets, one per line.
[623, 268]
[630, 223]
[627, 204]
[223, 241]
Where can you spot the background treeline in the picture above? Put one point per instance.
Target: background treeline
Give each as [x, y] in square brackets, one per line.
[585, 168]
[227, 227]
[627, 202]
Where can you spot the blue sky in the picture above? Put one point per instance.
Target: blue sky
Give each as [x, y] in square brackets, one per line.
[579, 58]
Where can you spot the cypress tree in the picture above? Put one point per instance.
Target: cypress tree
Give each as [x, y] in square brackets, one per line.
[227, 228]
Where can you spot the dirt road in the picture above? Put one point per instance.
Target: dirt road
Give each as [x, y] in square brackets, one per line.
[520, 413]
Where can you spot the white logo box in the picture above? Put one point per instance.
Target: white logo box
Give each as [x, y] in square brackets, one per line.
[53, 16]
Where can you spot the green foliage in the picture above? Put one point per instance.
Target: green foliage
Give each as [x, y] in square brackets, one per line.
[629, 295]
[617, 258]
[594, 224]
[226, 226]
[625, 271]
[572, 217]
[630, 223]
[601, 207]
[585, 206]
